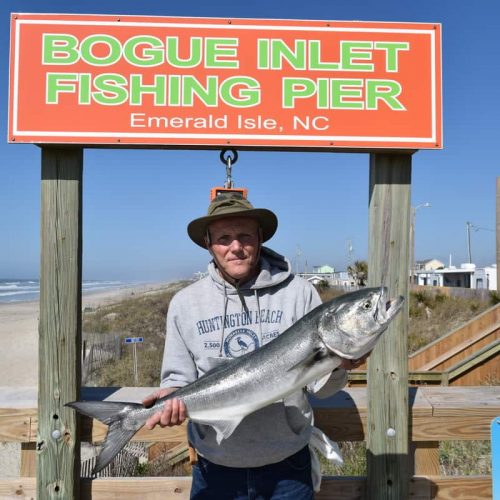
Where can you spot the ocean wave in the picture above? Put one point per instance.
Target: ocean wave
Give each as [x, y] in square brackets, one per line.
[23, 292]
[12, 290]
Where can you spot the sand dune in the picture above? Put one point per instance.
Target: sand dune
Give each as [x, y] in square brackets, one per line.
[19, 332]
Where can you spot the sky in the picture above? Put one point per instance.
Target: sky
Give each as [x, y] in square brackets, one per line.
[137, 203]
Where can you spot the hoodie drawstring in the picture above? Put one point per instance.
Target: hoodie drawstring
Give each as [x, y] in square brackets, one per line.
[258, 312]
[224, 301]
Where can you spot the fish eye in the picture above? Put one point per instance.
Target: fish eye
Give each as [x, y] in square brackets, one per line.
[367, 305]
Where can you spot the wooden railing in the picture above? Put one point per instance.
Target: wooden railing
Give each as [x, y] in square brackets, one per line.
[458, 344]
[466, 356]
[436, 414]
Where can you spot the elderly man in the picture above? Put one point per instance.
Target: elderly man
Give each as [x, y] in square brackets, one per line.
[248, 298]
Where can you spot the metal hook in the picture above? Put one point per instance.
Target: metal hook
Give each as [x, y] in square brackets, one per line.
[233, 160]
[228, 161]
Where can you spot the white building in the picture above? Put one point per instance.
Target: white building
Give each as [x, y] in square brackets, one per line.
[332, 277]
[467, 276]
[428, 265]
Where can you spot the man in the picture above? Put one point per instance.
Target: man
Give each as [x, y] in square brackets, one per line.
[248, 298]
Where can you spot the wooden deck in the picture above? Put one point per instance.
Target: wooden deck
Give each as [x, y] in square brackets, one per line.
[436, 414]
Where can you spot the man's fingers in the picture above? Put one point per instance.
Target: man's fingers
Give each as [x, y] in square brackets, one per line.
[152, 421]
[166, 413]
[149, 400]
[182, 411]
[174, 415]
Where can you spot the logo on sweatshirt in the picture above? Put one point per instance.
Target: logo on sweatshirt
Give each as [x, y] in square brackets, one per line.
[240, 342]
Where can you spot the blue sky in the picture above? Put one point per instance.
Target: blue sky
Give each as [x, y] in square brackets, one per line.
[137, 203]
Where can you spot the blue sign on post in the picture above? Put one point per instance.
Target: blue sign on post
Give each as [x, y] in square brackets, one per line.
[133, 340]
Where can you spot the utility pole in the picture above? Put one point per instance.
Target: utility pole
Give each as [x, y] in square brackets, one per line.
[469, 225]
[297, 259]
[350, 250]
[413, 213]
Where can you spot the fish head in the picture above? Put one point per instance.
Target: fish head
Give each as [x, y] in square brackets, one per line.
[352, 323]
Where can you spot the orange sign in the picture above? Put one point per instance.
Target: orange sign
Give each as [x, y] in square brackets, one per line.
[92, 79]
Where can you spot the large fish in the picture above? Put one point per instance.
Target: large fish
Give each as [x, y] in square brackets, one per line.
[345, 327]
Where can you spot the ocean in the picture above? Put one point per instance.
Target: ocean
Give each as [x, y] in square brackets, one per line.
[24, 290]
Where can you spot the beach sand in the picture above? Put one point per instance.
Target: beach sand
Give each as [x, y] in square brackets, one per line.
[19, 351]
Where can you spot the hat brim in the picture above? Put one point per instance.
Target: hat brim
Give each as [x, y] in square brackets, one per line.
[197, 229]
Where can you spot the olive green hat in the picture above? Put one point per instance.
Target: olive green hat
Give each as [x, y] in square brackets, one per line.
[232, 205]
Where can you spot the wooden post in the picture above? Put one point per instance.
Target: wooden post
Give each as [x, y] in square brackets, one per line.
[388, 264]
[58, 444]
[498, 234]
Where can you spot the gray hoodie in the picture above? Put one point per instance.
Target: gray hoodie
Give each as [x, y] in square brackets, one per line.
[211, 322]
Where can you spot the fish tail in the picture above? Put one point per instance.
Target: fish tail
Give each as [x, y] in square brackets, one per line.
[112, 414]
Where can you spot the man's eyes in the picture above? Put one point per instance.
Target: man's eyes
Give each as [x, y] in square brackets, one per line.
[227, 239]
[223, 240]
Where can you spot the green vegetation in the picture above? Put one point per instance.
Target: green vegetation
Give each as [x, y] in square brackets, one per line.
[494, 297]
[359, 272]
[143, 316]
[432, 315]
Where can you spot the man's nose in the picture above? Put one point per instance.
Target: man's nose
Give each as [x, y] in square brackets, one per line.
[235, 245]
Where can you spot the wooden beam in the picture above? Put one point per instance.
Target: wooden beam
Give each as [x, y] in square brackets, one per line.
[426, 458]
[332, 488]
[388, 265]
[490, 351]
[437, 414]
[58, 442]
[28, 460]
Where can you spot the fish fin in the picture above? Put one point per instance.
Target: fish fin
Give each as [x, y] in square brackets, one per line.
[116, 438]
[224, 428]
[318, 384]
[111, 413]
[104, 411]
[316, 355]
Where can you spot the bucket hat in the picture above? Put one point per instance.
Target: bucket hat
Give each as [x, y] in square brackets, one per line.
[232, 205]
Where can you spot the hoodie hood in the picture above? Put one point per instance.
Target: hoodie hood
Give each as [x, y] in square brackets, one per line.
[274, 269]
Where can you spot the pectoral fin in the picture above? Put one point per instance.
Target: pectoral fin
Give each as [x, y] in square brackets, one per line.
[316, 355]
[224, 428]
[318, 384]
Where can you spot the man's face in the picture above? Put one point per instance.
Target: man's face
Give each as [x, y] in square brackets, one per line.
[235, 245]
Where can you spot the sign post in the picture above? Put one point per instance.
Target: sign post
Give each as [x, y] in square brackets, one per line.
[134, 341]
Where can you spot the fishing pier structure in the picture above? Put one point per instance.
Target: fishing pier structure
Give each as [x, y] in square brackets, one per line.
[383, 114]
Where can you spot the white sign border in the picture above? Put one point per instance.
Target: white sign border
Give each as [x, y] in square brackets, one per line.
[270, 137]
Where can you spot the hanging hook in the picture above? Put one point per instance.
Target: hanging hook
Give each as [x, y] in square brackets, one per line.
[234, 159]
[229, 162]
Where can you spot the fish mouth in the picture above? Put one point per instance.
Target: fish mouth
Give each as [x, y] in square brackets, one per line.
[388, 307]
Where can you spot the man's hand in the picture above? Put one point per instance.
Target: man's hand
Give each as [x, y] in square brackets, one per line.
[174, 410]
